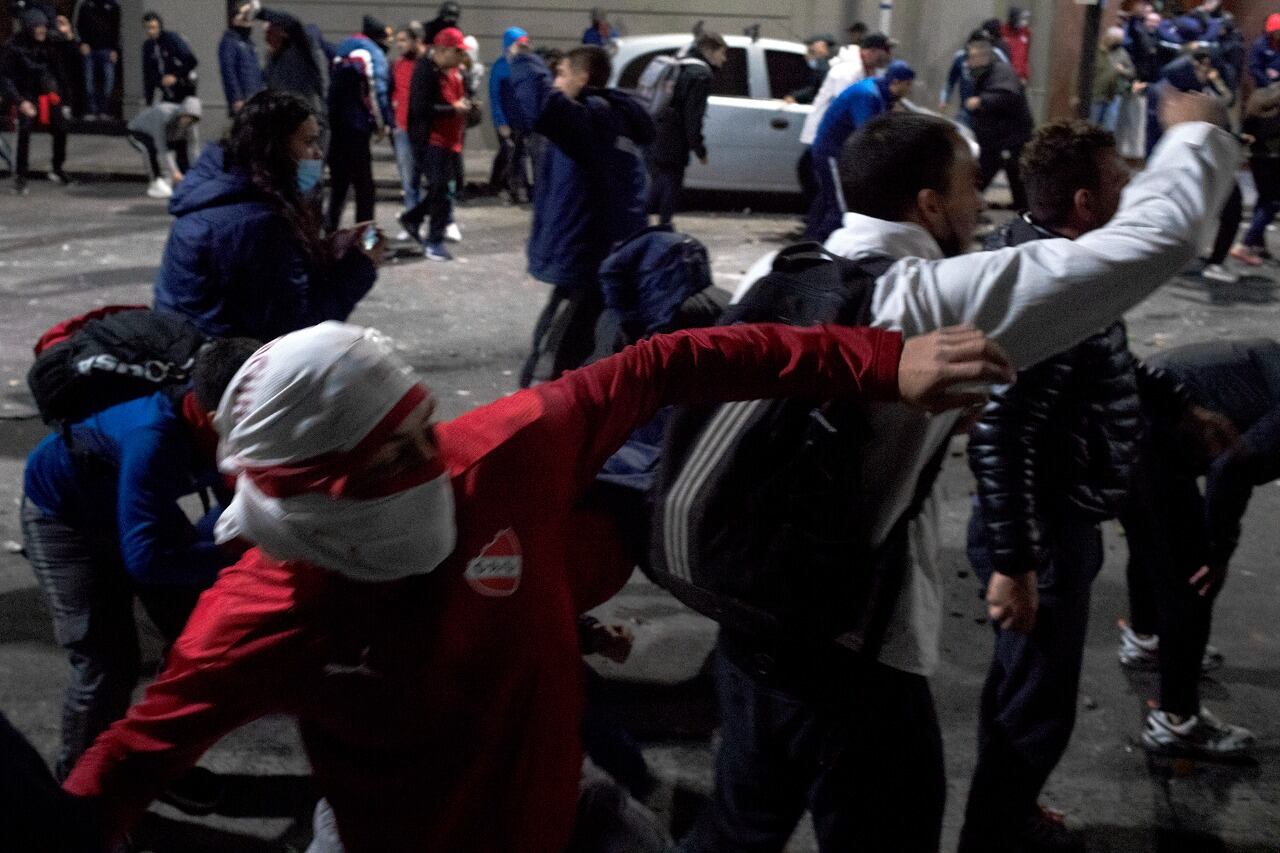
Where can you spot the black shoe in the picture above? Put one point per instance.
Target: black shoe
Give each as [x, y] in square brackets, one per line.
[19, 186]
[198, 793]
[409, 226]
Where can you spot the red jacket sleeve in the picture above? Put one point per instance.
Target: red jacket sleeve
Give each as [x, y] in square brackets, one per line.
[230, 665]
[596, 408]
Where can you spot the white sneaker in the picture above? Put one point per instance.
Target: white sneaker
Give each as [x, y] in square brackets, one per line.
[1199, 736]
[1143, 652]
[403, 236]
[1220, 274]
[452, 233]
[159, 188]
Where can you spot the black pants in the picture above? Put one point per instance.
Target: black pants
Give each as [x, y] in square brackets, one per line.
[564, 334]
[510, 171]
[854, 742]
[1164, 527]
[350, 164]
[1228, 225]
[57, 129]
[437, 167]
[147, 146]
[39, 815]
[804, 173]
[665, 183]
[91, 598]
[1028, 707]
[992, 160]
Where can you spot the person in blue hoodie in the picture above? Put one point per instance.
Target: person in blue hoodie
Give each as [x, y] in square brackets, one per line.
[854, 107]
[101, 524]
[591, 193]
[238, 58]
[510, 171]
[246, 255]
[359, 108]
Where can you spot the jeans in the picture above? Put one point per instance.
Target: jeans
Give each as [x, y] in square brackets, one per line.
[1106, 113]
[99, 80]
[437, 165]
[410, 174]
[854, 741]
[665, 183]
[1164, 527]
[827, 211]
[1028, 706]
[350, 164]
[57, 129]
[90, 596]
[992, 160]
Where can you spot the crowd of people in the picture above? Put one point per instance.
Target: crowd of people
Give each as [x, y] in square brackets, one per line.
[378, 574]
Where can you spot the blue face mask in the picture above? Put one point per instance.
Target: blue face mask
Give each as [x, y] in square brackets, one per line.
[309, 174]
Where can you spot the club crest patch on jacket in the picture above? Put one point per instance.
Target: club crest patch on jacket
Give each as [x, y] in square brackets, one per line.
[496, 570]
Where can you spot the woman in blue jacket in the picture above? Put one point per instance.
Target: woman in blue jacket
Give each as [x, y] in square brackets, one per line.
[246, 255]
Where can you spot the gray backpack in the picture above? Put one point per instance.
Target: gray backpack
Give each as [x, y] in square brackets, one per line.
[657, 84]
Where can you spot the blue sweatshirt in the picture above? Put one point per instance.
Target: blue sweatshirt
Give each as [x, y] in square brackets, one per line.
[130, 465]
[854, 107]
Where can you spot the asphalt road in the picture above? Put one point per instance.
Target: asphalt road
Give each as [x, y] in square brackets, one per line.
[465, 326]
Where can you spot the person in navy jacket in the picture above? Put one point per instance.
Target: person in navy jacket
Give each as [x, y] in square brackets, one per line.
[101, 523]
[168, 65]
[238, 58]
[1264, 55]
[359, 107]
[591, 191]
[246, 255]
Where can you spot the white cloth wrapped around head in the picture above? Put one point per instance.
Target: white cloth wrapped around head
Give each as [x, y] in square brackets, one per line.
[302, 416]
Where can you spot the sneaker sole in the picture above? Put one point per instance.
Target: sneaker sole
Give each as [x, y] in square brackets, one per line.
[1173, 750]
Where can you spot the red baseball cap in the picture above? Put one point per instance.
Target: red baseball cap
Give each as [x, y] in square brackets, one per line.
[450, 37]
[1273, 22]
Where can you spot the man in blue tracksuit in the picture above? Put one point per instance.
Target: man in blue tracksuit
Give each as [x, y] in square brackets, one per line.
[359, 107]
[854, 107]
[238, 58]
[591, 188]
[101, 524]
[509, 170]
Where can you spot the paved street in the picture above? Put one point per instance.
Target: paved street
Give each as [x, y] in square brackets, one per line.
[465, 327]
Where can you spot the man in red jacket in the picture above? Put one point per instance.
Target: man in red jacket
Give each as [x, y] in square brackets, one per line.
[413, 593]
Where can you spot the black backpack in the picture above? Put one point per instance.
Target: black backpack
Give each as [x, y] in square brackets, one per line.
[757, 521]
[86, 364]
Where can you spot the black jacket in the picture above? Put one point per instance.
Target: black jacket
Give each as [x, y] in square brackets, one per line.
[1004, 119]
[426, 102]
[30, 68]
[98, 24]
[168, 54]
[679, 127]
[1063, 438]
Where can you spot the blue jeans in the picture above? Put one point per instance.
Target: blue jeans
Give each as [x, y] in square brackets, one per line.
[99, 80]
[410, 174]
[1028, 706]
[1106, 113]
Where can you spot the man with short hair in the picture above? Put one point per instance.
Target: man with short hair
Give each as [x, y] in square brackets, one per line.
[411, 50]
[591, 185]
[413, 595]
[238, 58]
[999, 114]
[679, 125]
[1053, 455]
[818, 58]
[168, 65]
[856, 105]
[853, 737]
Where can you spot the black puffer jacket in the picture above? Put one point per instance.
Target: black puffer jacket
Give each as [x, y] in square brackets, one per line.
[1063, 438]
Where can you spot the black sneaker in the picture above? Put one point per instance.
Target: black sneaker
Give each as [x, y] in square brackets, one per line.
[19, 186]
[198, 793]
[411, 228]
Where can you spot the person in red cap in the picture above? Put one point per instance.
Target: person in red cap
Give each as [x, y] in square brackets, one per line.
[1264, 56]
[438, 106]
[413, 593]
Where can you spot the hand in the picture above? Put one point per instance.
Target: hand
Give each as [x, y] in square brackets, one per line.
[114, 56]
[611, 641]
[1139, 87]
[1208, 580]
[1012, 601]
[85, 49]
[1213, 431]
[1183, 107]
[462, 105]
[236, 106]
[1273, 74]
[504, 131]
[63, 25]
[1213, 74]
[787, 99]
[973, 104]
[1248, 138]
[28, 109]
[177, 177]
[168, 81]
[935, 367]
[378, 253]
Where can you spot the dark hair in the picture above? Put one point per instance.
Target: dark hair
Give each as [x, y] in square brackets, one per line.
[858, 27]
[708, 42]
[148, 17]
[258, 143]
[1062, 157]
[886, 164]
[216, 366]
[979, 37]
[414, 30]
[593, 60]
